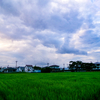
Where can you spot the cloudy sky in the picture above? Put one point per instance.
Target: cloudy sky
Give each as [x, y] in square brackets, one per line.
[38, 32]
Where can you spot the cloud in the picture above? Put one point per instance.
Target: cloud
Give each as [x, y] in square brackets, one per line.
[49, 30]
[64, 50]
[9, 7]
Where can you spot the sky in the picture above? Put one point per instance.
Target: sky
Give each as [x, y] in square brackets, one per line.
[38, 32]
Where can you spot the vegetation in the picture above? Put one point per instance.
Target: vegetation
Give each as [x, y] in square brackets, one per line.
[50, 86]
[46, 70]
[37, 67]
[43, 70]
[77, 65]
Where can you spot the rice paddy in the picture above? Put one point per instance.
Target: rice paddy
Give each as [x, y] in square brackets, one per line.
[50, 86]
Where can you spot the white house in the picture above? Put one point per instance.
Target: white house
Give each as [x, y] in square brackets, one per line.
[29, 68]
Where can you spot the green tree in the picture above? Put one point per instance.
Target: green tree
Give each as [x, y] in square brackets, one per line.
[72, 65]
[46, 70]
[89, 66]
[75, 65]
[37, 67]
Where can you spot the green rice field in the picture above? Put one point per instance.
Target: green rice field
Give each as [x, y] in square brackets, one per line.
[50, 86]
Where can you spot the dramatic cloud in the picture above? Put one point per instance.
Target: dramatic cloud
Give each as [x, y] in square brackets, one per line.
[49, 31]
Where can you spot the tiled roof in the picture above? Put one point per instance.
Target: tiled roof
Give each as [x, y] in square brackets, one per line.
[54, 66]
[21, 67]
[29, 65]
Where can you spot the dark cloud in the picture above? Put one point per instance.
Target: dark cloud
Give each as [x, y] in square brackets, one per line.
[65, 49]
[9, 7]
[49, 39]
[62, 46]
[68, 22]
[91, 39]
[43, 3]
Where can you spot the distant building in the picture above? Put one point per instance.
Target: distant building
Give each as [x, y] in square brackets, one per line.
[9, 70]
[55, 68]
[1, 69]
[20, 69]
[97, 66]
[29, 68]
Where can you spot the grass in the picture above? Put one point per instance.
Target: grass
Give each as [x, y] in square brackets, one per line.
[50, 86]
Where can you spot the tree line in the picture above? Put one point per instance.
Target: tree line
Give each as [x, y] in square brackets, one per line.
[79, 65]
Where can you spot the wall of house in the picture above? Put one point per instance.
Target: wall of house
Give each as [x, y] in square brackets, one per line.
[5, 71]
[18, 70]
[28, 69]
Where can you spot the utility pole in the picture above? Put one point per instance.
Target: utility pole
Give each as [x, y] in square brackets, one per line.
[64, 65]
[47, 64]
[16, 63]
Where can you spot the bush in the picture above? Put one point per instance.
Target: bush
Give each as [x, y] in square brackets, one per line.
[46, 70]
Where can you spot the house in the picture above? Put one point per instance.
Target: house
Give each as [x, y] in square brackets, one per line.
[67, 70]
[29, 68]
[97, 66]
[55, 68]
[1, 69]
[20, 69]
[9, 70]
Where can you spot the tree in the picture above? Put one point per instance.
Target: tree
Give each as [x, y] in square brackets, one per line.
[78, 65]
[37, 67]
[72, 65]
[89, 66]
[46, 70]
[75, 65]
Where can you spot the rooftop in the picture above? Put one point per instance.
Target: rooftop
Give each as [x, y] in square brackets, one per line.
[29, 65]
